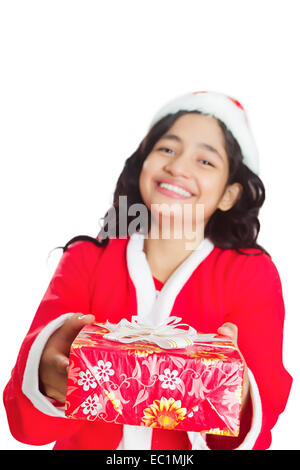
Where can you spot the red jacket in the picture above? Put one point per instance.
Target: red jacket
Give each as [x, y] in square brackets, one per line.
[211, 287]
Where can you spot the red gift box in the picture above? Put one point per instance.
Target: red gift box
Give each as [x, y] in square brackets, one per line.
[197, 388]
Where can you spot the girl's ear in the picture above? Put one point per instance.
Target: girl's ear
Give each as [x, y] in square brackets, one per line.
[231, 195]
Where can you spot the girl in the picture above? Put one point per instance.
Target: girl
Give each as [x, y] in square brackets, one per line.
[199, 151]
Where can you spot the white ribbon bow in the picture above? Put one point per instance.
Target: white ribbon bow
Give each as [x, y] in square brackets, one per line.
[166, 335]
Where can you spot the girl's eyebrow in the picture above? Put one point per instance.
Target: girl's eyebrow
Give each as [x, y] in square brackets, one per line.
[200, 144]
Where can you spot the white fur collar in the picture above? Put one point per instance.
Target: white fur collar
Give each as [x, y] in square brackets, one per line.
[150, 308]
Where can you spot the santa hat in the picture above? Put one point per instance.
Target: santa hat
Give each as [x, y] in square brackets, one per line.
[226, 109]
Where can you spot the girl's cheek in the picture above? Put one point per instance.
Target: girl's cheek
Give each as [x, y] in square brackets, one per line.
[145, 182]
[145, 167]
[151, 162]
[149, 170]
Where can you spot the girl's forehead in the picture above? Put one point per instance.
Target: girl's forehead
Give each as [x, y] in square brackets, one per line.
[197, 123]
[197, 129]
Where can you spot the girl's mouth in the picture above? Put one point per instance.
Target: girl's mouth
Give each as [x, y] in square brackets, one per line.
[172, 190]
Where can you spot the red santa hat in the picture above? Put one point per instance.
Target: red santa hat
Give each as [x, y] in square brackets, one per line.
[226, 109]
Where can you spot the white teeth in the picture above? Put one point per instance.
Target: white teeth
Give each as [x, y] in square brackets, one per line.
[175, 189]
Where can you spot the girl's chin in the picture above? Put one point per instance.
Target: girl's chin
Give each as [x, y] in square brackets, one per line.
[172, 201]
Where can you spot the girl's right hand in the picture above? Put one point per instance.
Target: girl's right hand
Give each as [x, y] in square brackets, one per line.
[54, 363]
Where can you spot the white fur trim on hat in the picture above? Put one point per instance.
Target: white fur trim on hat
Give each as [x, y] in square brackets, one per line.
[222, 107]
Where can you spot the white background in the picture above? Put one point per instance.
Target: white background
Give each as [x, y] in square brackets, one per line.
[80, 82]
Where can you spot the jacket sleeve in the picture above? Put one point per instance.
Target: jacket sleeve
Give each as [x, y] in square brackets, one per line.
[258, 311]
[32, 418]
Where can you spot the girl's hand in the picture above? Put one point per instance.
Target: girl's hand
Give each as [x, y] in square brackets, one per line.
[220, 442]
[231, 330]
[53, 369]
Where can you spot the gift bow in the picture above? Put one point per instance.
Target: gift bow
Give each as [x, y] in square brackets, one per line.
[166, 335]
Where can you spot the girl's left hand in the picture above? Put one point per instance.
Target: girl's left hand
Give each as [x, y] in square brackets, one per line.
[231, 330]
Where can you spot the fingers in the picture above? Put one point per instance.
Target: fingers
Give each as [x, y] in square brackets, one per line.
[61, 364]
[73, 325]
[58, 393]
[53, 374]
[230, 330]
[53, 367]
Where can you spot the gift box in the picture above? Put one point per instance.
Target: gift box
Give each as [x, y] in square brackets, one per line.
[193, 388]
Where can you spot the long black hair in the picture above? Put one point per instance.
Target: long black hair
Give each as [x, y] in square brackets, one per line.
[237, 228]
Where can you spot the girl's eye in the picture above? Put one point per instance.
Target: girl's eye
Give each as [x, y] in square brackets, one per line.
[205, 162]
[166, 149]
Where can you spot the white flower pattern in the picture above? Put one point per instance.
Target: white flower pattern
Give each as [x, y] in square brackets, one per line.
[169, 379]
[91, 405]
[87, 380]
[103, 371]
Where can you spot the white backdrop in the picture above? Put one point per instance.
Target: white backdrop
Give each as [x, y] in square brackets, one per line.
[80, 81]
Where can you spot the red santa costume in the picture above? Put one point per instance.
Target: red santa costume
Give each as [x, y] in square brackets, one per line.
[211, 287]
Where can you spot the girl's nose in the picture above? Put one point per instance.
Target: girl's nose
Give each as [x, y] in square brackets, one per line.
[179, 166]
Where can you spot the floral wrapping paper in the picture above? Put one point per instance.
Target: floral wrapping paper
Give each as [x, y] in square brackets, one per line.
[198, 388]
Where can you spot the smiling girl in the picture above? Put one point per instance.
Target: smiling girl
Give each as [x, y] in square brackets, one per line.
[188, 164]
[199, 152]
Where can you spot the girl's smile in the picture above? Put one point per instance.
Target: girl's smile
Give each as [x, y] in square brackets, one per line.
[172, 189]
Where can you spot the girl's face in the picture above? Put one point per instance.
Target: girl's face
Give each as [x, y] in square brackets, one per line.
[189, 165]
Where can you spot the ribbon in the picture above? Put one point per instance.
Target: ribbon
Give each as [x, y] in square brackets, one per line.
[166, 335]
